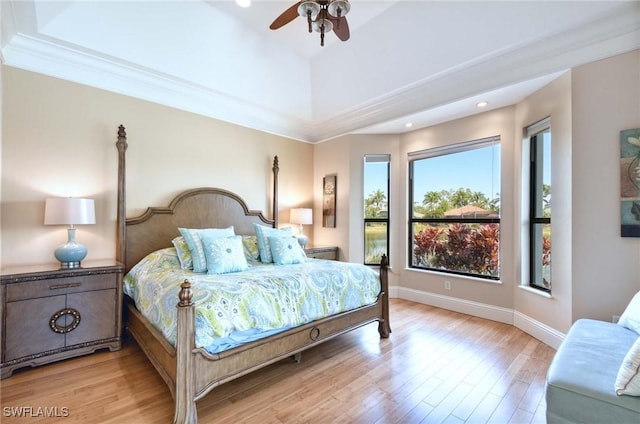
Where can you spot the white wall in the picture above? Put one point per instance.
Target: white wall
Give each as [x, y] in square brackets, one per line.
[606, 267]
[58, 139]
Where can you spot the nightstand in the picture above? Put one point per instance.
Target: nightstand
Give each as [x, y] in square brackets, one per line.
[49, 314]
[322, 252]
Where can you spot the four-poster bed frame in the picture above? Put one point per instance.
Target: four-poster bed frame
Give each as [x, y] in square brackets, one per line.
[191, 372]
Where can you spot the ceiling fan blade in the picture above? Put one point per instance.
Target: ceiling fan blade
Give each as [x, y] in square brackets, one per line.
[285, 17]
[340, 27]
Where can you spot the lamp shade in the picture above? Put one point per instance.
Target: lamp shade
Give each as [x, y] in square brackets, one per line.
[301, 216]
[69, 211]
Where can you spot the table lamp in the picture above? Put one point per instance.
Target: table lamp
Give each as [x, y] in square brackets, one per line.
[69, 211]
[301, 216]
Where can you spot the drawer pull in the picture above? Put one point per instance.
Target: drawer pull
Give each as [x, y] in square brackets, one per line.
[315, 333]
[64, 286]
[64, 329]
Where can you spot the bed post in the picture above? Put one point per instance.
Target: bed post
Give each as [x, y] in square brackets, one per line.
[384, 327]
[275, 169]
[121, 144]
[185, 412]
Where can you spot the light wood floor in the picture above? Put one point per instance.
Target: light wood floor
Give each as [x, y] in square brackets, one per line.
[437, 367]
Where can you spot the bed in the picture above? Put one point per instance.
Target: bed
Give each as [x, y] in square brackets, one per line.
[190, 367]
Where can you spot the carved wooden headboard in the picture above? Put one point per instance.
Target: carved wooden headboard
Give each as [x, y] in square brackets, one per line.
[204, 207]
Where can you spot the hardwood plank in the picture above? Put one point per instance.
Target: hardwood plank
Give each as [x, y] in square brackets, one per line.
[437, 366]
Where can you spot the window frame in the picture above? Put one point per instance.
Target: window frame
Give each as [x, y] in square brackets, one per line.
[441, 151]
[535, 185]
[372, 158]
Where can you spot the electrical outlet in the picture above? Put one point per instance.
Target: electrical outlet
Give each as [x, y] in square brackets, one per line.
[447, 285]
[615, 319]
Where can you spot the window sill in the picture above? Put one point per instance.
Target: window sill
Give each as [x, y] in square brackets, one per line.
[452, 276]
[535, 291]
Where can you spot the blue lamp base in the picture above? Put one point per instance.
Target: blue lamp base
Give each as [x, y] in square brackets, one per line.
[71, 253]
[302, 240]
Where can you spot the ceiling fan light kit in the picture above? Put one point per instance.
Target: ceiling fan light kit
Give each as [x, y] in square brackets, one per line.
[322, 16]
[338, 8]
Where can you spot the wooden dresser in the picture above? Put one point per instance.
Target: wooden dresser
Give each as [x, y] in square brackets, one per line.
[322, 252]
[49, 314]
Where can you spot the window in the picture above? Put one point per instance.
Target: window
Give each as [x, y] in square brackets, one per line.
[539, 139]
[376, 208]
[455, 209]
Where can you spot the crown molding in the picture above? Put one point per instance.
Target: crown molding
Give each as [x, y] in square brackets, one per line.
[614, 33]
[40, 55]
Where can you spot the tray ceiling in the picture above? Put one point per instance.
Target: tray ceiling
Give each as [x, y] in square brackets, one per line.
[419, 61]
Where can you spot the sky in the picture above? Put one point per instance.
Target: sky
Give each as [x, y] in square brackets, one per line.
[476, 169]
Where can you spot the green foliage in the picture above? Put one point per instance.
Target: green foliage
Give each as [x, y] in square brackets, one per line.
[459, 247]
[436, 203]
[375, 240]
[375, 206]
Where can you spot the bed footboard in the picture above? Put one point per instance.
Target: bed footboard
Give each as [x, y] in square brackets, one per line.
[198, 372]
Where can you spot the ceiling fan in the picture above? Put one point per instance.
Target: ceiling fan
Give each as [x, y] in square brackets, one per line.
[322, 16]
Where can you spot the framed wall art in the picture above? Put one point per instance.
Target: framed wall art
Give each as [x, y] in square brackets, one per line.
[630, 183]
[329, 191]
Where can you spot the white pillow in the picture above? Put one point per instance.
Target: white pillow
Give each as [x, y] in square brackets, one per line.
[630, 318]
[628, 379]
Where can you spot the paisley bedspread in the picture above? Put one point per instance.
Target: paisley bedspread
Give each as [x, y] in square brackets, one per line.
[239, 307]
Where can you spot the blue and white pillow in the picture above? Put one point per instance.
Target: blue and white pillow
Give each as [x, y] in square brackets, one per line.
[224, 254]
[286, 250]
[193, 236]
[263, 233]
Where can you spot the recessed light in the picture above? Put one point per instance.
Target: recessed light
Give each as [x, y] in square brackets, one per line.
[243, 3]
[482, 104]
[408, 125]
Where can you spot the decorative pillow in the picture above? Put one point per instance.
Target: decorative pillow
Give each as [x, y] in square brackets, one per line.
[184, 254]
[628, 379]
[286, 250]
[224, 254]
[192, 237]
[250, 245]
[630, 318]
[263, 233]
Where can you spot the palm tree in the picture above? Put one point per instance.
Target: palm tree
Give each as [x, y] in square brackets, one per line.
[432, 199]
[375, 203]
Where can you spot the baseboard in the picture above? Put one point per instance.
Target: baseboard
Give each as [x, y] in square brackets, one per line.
[393, 292]
[463, 306]
[540, 331]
